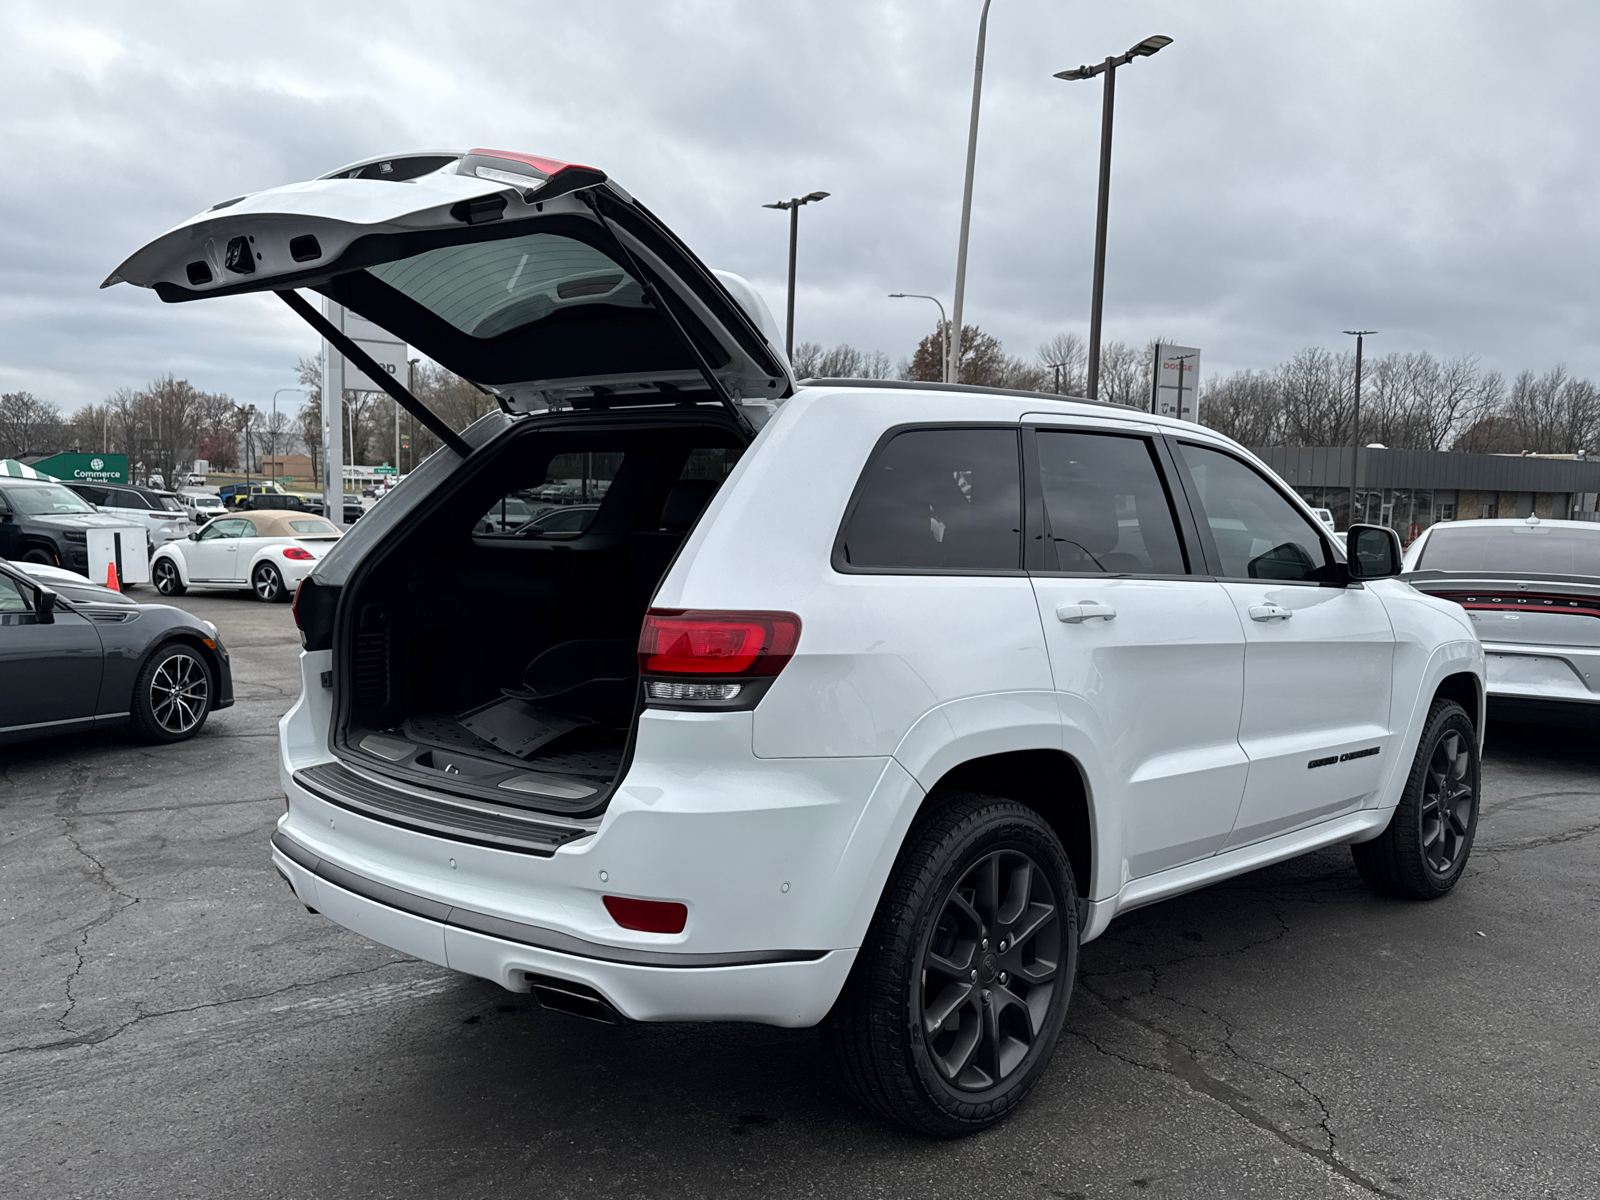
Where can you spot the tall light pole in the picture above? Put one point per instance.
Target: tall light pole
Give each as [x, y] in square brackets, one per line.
[1109, 69]
[953, 361]
[273, 428]
[794, 238]
[1355, 422]
[944, 330]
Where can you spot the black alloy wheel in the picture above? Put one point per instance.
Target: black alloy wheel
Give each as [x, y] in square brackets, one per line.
[957, 996]
[990, 967]
[1423, 851]
[267, 583]
[172, 696]
[42, 557]
[167, 580]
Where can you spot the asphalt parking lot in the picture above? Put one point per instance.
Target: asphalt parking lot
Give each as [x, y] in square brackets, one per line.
[174, 1024]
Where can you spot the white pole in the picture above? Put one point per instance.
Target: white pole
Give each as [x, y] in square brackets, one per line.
[952, 370]
[333, 421]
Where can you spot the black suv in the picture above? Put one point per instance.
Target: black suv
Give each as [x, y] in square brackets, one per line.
[46, 522]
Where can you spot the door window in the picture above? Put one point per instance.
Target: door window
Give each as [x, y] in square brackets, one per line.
[11, 598]
[939, 500]
[94, 495]
[1107, 511]
[1258, 534]
[231, 528]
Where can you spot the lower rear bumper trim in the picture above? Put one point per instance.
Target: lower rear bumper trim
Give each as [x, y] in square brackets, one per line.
[518, 931]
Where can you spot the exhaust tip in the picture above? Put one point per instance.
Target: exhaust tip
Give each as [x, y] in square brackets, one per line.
[574, 999]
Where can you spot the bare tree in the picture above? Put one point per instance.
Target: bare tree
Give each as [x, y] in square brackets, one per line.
[1246, 406]
[1065, 358]
[28, 425]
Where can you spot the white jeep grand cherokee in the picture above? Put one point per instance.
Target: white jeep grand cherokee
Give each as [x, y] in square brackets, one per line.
[857, 703]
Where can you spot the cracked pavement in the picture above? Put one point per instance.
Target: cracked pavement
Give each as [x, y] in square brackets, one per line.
[174, 1024]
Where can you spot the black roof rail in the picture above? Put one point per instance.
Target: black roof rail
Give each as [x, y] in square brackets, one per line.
[918, 385]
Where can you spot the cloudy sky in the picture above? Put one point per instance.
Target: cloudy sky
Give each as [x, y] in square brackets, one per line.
[1282, 171]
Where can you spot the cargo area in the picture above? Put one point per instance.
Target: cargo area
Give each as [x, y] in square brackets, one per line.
[491, 651]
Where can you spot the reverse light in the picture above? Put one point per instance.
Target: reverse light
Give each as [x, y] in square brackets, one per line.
[661, 689]
[676, 641]
[298, 553]
[647, 916]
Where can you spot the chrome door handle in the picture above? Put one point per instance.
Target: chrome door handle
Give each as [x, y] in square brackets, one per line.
[1077, 614]
[1270, 612]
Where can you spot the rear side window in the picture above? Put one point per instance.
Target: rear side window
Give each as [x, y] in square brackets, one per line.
[1106, 510]
[94, 495]
[1258, 534]
[939, 500]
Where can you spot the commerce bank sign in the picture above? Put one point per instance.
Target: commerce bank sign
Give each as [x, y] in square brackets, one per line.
[85, 468]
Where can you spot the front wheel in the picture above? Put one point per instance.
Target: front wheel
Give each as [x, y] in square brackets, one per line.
[172, 696]
[43, 557]
[1423, 851]
[267, 583]
[166, 578]
[957, 997]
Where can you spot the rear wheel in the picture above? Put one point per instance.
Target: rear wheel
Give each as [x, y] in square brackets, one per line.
[1424, 849]
[953, 1008]
[172, 696]
[268, 584]
[164, 573]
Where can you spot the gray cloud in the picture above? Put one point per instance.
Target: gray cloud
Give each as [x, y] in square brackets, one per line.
[1281, 172]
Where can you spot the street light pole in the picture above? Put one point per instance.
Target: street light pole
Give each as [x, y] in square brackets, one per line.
[1355, 421]
[1109, 69]
[273, 428]
[953, 362]
[944, 330]
[794, 240]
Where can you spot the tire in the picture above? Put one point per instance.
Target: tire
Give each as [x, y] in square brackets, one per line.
[43, 557]
[172, 695]
[267, 584]
[1423, 851]
[950, 1049]
[164, 574]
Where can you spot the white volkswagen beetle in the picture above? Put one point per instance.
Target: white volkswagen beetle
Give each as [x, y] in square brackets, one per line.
[269, 551]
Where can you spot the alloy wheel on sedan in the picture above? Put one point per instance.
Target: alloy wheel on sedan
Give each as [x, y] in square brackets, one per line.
[989, 970]
[180, 693]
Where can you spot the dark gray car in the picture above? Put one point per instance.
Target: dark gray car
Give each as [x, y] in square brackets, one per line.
[74, 655]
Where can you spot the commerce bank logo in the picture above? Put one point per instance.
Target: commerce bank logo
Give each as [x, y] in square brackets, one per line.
[97, 464]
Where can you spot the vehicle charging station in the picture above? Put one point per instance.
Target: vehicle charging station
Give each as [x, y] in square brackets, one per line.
[126, 547]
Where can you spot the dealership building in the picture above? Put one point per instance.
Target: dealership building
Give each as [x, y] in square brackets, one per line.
[1408, 490]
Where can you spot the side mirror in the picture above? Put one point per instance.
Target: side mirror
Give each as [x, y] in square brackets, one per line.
[195, 536]
[1373, 552]
[44, 606]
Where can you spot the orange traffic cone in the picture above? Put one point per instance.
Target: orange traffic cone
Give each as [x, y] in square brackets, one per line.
[111, 577]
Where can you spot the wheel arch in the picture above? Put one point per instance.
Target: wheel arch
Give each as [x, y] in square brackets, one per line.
[177, 560]
[193, 641]
[1049, 781]
[34, 541]
[1466, 689]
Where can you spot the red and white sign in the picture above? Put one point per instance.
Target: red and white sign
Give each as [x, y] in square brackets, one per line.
[1175, 386]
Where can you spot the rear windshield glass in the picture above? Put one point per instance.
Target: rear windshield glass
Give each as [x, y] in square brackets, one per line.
[313, 527]
[49, 498]
[490, 288]
[1525, 549]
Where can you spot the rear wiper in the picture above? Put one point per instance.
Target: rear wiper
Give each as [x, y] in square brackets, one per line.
[364, 362]
[589, 197]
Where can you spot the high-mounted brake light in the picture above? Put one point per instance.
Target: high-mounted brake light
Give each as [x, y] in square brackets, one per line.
[298, 553]
[647, 916]
[710, 642]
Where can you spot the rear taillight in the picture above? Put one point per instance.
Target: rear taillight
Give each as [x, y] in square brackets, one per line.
[710, 642]
[313, 610]
[647, 916]
[298, 554]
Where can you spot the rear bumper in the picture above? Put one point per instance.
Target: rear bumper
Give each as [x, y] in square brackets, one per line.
[786, 988]
[1551, 674]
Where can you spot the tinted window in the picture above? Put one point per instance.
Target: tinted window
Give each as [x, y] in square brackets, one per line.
[123, 498]
[94, 495]
[486, 289]
[1531, 549]
[1258, 533]
[940, 499]
[1106, 508]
